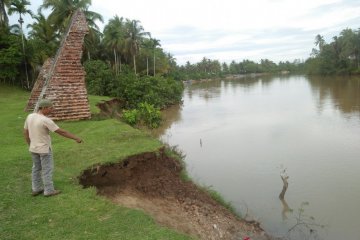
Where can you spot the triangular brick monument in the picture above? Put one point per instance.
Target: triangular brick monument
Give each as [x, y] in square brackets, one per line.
[62, 79]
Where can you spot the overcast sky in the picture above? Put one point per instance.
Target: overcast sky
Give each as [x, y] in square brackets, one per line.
[227, 30]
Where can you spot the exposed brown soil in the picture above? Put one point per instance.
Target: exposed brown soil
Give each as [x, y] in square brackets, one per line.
[151, 182]
[111, 108]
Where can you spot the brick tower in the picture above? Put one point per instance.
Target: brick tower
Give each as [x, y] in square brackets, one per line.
[62, 79]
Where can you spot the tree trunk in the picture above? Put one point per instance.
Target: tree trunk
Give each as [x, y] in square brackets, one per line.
[285, 209]
[120, 62]
[115, 63]
[154, 64]
[23, 47]
[134, 64]
[4, 20]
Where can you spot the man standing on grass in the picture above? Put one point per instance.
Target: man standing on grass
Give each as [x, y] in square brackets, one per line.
[36, 132]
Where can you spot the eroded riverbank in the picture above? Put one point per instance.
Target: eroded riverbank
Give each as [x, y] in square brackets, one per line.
[152, 182]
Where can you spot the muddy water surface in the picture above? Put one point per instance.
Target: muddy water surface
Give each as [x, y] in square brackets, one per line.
[238, 135]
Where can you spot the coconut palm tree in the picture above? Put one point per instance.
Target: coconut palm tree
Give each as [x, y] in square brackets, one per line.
[114, 39]
[62, 11]
[350, 45]
[171, 61]
[133, 39]
[92, 39]
[319, 41]
[4, 20]
[92, 43]
[19, 6]
[43, 30]
[45, 39]
[147, 47]
[154, 43]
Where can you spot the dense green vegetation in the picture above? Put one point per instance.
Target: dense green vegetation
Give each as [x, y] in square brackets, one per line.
[341, 56]
[77, 213]
[144, 114]
[123, 61]
[208, 68]
[124, 52]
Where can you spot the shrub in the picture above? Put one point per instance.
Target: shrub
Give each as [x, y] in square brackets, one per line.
[10, 58]
[157, 91]
[145, 114]
[150, 115]
[98, 77]
[131, 117]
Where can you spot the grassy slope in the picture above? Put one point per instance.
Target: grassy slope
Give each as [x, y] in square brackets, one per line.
[77, 213]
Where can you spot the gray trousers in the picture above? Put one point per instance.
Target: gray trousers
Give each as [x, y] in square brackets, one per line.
[42, 171]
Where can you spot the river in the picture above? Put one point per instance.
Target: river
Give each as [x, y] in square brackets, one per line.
[240, 135]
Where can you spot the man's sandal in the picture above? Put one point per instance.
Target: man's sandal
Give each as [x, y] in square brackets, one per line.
[55, 192]
[36, 193]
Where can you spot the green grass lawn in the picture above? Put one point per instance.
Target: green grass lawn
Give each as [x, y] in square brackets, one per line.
[77, 213]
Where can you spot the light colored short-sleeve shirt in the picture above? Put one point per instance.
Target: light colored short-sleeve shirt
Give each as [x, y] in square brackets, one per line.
[39, 127]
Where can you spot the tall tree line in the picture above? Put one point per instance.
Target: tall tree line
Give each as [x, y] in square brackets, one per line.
[208, 68]
[340, 56]
[123, 44]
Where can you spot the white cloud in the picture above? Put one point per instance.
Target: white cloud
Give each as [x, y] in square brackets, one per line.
[192, 29]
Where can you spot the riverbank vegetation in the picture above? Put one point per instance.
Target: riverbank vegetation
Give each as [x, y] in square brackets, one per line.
[125, 52]
[340, 56]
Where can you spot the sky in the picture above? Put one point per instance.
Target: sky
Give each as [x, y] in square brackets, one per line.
[226, 30]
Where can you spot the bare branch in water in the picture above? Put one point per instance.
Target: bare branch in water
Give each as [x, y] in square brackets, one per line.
[284, 178]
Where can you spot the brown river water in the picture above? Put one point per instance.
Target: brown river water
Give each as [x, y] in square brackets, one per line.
[239, 135]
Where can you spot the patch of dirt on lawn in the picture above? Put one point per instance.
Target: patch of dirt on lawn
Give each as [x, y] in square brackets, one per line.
[151, 182]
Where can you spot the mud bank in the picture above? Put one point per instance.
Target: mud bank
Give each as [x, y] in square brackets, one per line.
[151, 182]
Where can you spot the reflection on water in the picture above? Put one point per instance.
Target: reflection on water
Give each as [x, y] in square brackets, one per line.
[344, 93]
[285, 209]
[169, 116]
[237, 133]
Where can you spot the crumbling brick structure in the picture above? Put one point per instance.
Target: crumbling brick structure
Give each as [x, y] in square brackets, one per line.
[62, 79]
